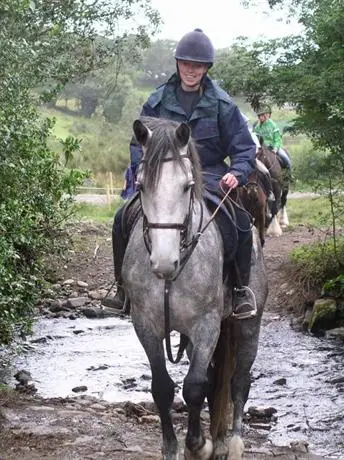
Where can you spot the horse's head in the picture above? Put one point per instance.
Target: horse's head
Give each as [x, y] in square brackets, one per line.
[266, 156]
[168, 181]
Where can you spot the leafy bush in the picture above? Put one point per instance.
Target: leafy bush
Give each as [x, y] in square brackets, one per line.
[334, 287]
[314, 264]
[33, 204]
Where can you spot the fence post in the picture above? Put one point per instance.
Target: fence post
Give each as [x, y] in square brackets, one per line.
[111, 182]
[108, 195]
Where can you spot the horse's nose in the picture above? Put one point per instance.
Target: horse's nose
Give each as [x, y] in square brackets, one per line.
[164, 268]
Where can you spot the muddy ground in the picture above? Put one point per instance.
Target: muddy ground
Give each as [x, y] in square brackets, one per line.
[88, 428]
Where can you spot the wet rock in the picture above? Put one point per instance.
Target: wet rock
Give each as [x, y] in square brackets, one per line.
[149, 406]
[80, 389]
[261, 412]
[102, 367]
[136, 410]
[323, 315]
[68, 282]
[39, 340]
[338, 332]
[23, 376]
[129, 383]
[55, 287]
[77, 302]
[98, 406]
[57, 306]
[92, 312]
[49, 293]
[260, 426]
[119, 411]
[179, 405]
[82, 284]
[97, 294]
[29, 389]
[281, 381]
[111, 301]
[306, 319]
[150, 419]
[299, 446]
[336, 380]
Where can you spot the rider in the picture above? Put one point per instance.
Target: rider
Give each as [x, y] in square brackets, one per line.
[219, 131]
[263, 173]
[269, 131]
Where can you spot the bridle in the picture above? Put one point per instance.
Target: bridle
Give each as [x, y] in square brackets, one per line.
[183, 228]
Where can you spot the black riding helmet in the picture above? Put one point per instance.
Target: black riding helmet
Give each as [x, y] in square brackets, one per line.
[195, 46]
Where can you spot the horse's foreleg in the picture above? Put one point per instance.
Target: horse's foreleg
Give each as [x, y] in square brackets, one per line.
[284, 220]
[195, 389]
[246, 350]
[274, 228]
[162, 391]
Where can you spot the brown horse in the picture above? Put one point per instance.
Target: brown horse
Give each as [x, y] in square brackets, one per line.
[254, 201]
[280, 187]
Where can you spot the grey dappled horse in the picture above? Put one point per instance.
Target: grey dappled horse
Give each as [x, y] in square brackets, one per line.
[162, 247]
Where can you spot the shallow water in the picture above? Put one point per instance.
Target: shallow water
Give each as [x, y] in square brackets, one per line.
[106, 356]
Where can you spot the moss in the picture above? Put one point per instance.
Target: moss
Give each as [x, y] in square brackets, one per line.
[323, 315]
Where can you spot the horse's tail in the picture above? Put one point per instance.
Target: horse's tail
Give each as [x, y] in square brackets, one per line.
[224, 364]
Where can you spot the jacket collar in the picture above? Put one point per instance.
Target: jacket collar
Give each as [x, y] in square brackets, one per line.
[206, 106]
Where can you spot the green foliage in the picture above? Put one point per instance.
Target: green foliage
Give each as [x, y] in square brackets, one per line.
[311, 212]
[314, 264]
[94, 213]
[42, 44]
[334, 287]
[157, 63]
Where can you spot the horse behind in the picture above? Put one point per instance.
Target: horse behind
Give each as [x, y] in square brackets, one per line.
[280, 187]
[173, 275]
[254, 200]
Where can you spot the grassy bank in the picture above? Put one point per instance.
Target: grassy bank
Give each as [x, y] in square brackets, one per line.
[301, 211]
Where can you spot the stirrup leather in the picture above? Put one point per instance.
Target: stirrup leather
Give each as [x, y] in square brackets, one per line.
[246, 314]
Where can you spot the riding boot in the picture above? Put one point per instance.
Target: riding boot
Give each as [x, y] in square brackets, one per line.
[119, 244]
[244, 302]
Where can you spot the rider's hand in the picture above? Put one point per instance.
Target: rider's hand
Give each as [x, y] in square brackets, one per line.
[230, 180]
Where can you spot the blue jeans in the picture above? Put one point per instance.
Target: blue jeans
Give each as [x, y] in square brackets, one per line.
[284, 157]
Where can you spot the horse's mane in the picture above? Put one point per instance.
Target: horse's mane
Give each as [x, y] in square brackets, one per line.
[162, 141]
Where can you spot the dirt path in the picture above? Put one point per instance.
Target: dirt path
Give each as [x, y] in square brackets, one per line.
[87, 428]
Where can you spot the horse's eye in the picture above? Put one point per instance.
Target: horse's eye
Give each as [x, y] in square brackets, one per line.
[139, 187]
[188, 186]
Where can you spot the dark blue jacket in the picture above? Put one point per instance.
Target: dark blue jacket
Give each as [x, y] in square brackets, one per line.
[216, 125]
[130, 187]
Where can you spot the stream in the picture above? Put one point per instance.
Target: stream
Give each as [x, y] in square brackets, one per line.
[299, 375]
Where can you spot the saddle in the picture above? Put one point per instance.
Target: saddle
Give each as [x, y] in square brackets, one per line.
[131, 214]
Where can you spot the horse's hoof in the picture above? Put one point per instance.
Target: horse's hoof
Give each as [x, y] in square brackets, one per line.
[204, 453]
[236, 448]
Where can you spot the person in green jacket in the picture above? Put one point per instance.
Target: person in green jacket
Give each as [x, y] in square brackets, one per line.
[269, 131]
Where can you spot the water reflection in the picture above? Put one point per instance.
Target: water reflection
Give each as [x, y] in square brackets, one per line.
[106, 356]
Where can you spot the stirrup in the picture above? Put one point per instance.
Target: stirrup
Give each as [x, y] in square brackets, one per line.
[246, 314]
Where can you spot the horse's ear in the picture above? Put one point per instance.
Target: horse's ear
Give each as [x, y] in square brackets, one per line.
[142, 133]
[183, 133]
[261, 140]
